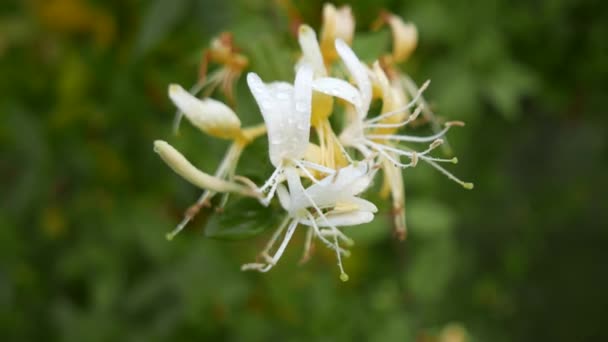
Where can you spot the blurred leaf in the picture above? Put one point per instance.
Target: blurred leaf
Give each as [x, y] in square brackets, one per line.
[428, 218]
[241, 219]
[160, 18]
[432, 269]
[370, 45]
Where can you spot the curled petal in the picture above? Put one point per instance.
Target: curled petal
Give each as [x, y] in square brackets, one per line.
[210, 116]
[339, 88]
[310, 50]
[352, 218]
[359, 73]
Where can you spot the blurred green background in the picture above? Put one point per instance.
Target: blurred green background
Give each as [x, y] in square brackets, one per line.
[85, 203]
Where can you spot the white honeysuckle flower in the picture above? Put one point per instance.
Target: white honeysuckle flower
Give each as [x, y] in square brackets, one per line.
[210, 116]
[323, 207]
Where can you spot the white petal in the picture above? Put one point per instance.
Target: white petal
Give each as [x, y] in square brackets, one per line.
[358, 71]
[363, 204]
[341, 186]
[303, 99]
[352, 218]
[283, 197]
[211, 116]
[288, 131]
[311, 50]
[339, 88]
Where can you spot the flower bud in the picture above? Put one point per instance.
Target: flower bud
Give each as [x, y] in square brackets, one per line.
[337, 24]
[209, 115]
[178, 163]
[405, 38]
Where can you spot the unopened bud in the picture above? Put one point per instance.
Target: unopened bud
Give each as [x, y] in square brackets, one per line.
[210, 116]
[178, 163]
[337, 24]
[405, 38]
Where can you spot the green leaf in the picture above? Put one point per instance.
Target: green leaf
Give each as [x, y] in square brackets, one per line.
[242, 219]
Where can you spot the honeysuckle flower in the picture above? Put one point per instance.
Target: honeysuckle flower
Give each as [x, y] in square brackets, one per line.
[323, 207]
[338, 23]
[216, 119]
[362, 132]
[318, 183]
[378, 134]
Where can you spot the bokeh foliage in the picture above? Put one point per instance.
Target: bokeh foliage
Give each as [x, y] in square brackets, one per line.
[85, 203]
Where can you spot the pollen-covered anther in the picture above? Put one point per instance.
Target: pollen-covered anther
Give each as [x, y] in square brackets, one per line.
[454, 123]
[414, 158]
[436, 144]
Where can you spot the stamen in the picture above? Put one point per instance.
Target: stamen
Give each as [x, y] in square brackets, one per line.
[343, 275]
[402, 109]
[276, 235]
[313, 223]
[342, 149]
[442, 160]
[381, 148]
[411, 118]
[465, 185]
[411, 87]
[317, 167]
[270, 263]
[410, 138]
[306, 172]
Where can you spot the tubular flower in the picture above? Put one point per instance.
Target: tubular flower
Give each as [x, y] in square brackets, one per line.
[318, 175]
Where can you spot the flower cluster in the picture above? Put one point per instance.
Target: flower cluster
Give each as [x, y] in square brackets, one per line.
[318, 178]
